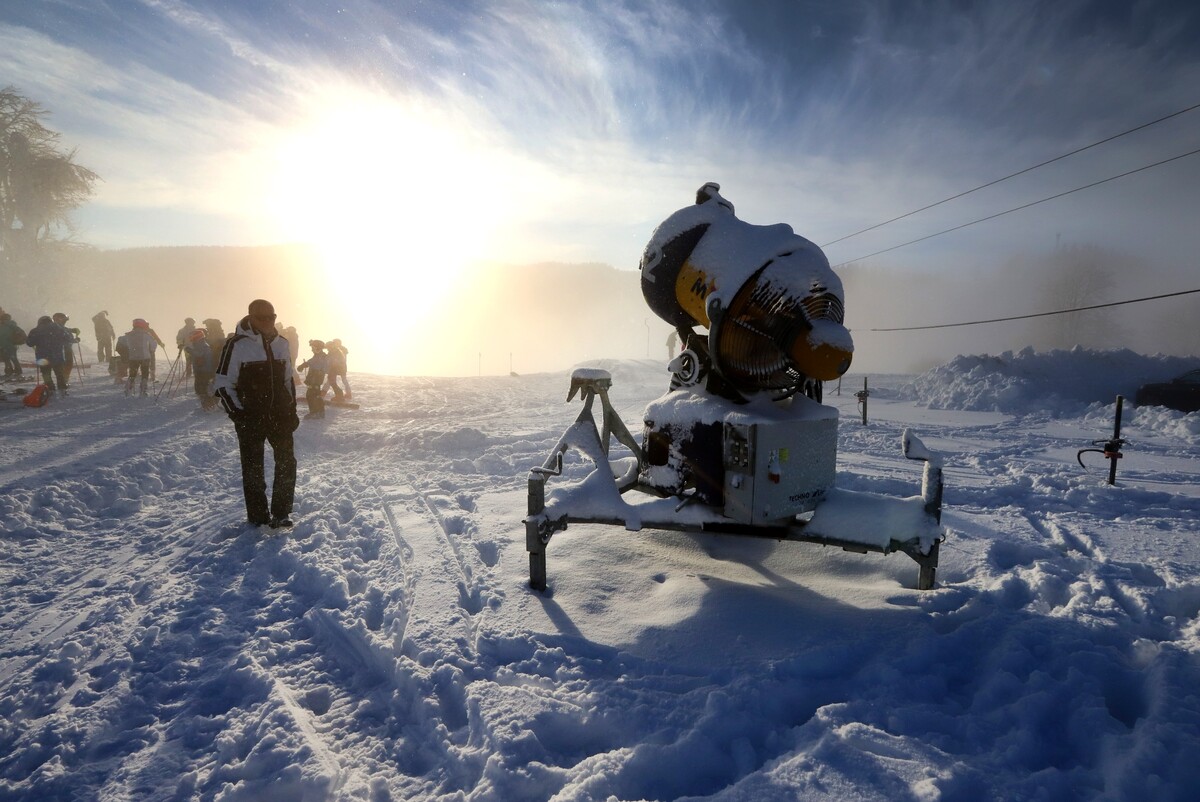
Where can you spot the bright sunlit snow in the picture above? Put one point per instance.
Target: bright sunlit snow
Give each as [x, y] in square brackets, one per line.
[388, 647]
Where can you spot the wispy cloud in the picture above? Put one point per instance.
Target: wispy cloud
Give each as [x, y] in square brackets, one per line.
[833, 115]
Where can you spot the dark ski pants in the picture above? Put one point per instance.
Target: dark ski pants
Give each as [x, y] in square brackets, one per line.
[316, 401]
[53, 373]
[251, 440]
[137, 366]
[12, 365]
[201, 382]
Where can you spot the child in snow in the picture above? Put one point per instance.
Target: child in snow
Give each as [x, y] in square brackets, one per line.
[316, 365]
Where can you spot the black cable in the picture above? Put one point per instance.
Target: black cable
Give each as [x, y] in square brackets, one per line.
[1040, 314]
[1013, 175]
[1019, 208]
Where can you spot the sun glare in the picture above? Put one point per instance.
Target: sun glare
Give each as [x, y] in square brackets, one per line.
[398, 198]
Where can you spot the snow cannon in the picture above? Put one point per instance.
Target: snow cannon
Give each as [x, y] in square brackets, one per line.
[740, 444]
[772, 305]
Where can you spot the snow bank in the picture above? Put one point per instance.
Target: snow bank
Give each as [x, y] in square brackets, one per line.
[1059, 382]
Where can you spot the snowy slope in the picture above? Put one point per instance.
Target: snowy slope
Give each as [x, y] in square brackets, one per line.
[388, 647]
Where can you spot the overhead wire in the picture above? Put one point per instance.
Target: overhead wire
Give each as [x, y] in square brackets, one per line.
[1023, 206]
[1014, 175]
[1040, 314]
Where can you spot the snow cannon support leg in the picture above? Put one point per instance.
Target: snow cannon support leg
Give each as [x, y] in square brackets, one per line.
[931, 492]
[593, 443]
[533, 534]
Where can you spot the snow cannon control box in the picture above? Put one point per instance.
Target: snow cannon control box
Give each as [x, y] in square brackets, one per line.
[760, 464]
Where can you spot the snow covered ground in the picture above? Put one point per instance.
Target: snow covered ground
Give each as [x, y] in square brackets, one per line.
[155, 648]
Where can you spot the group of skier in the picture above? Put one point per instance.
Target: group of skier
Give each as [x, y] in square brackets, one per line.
[131, 357]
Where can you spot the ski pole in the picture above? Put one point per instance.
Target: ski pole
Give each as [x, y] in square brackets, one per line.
[162, 385]
[79, 363]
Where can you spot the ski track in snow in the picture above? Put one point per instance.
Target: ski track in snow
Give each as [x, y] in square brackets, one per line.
[387, 647]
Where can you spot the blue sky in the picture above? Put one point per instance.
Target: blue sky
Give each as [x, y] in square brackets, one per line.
[565, 131]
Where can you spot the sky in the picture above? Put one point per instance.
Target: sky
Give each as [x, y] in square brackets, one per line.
[406, 140]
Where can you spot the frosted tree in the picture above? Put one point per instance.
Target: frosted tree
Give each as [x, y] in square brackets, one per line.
[40, 184]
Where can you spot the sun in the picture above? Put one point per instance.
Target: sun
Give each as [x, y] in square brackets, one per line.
[398, 197]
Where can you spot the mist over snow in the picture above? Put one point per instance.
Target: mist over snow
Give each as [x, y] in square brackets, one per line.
[388, 647]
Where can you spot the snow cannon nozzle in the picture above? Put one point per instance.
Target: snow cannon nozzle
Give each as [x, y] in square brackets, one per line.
[771, 303]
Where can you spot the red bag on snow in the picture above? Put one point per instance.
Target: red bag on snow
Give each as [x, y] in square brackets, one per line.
[38, 396]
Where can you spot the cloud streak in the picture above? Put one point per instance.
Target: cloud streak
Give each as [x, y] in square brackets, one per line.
[830, 115]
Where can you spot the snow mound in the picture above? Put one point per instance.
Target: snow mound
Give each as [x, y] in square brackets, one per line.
[1058, 382]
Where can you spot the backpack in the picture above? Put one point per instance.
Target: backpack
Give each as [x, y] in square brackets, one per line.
[18, 335]
[38, 396]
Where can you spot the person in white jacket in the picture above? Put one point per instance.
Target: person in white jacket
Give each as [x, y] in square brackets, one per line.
[257, 388]
[140, 345]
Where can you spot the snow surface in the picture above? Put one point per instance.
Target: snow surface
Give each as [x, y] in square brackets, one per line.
[388, 648]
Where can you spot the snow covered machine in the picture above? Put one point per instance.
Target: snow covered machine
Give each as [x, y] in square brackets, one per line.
[740, 444]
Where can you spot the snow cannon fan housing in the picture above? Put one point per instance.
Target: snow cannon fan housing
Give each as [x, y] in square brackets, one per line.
[772, 305]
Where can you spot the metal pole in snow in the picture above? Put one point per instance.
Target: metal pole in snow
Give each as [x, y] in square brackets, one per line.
[1114, 452]
[862, 396]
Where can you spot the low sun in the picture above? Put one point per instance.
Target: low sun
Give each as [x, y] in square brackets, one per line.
[398, 199]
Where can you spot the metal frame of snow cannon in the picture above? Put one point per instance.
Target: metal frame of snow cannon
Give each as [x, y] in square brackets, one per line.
[606, 487]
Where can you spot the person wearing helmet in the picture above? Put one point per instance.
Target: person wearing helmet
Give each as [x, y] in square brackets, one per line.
[141, 344]
[256, 385]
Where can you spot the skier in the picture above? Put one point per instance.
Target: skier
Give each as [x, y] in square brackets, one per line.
[293, 339]
[121, 370]
[61, 319]
[182, 338]
[256, 385]
[11, 335]
[140, 345]
[105, 334]
[337, 368]
[154, 357]
[204, 367]
[316, 365]
[216, 335]
[50, 342]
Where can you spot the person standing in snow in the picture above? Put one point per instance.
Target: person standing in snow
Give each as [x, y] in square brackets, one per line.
[61, 319]
[337, 369]
[293, 339]
[316, 365]
[256, 385]
[204, 367]
[139, 344]
[182, 338]
[105, 334]
[11, 336]
[154, 357]
[216, 335]
[50, 342]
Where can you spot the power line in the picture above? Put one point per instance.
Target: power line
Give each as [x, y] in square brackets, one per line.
[1041, 314]
[1013, 175]
[1023, 206]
